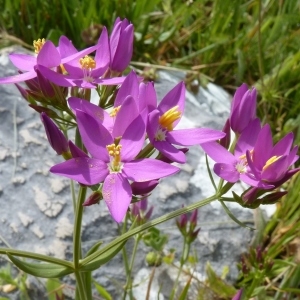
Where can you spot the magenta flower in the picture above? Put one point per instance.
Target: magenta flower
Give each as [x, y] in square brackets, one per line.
[232, 167]
[126, 106]
[164, 119]
[55, 137]
[112, 163]
[269, 165]
[121, 45]
[85, 72]
[243, 108]
[48, 57]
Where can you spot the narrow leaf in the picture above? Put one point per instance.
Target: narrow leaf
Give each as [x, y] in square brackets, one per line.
[44, 270]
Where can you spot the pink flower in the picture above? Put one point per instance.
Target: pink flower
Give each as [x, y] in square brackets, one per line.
[112, 163]
[163, 120]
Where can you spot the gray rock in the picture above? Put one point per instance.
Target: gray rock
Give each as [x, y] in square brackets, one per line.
[36, 206]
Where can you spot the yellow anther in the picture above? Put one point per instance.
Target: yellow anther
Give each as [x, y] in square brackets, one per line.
[115, 153]
[64, 71]
[38, 45]
[243, 156]
[87, 63]
[114, 111]
[169, 117]
[270, 161]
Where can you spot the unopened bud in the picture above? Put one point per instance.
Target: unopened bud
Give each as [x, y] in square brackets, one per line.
[55, 137]
[93, 199]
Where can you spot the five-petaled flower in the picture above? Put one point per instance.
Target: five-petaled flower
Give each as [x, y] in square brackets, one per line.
[163, 120]
[113, 162]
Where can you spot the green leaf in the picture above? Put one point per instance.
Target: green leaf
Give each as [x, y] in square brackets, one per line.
[54, 287]
[44, 270]
[220, 287]
[229, 213]
[94, 248]
[103, 258]
[102, 291]
[183, 294]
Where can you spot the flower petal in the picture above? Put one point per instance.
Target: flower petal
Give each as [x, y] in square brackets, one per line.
[133, 139]
[218, 153]
[194, 136]
[23, 61]
[65, 47]
[127, 113]
[171, 152]
[117, 195]
[147, 97]
[130, 86]
[102, 57]
[91, 109]
[84, 170]
[227, 171]
[174, 97]
[94, 135]
[263, 147]
[48, 56]
[147, 169]
[283, 147]
[18, 78]
[55, 77]
[248, 138]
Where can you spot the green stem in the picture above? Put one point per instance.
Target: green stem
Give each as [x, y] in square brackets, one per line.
[130, 268]
[80, 287]
[255, 283]
[80, 277]
[184, 257]
[77, 227]
[148, 225]
[146, 152]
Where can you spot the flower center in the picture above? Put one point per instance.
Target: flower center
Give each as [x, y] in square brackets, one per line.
[160, 135]
[242, 164]
[169, 117]
[87, 64]
[271, 161]
[114, 111]
[38, 45]
[114, 152]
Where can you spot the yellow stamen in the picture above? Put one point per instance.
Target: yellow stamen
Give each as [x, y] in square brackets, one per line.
[115, 153]
[243, 156]
[169, 117]
[87, 63]
[114, 111]
[270, 161]
[64, 71]
[38, 45]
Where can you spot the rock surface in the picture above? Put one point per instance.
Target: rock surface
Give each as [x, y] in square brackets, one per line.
[36, 206]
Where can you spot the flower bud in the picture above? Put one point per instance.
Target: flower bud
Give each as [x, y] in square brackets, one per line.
[121, 45]
[225, 141]
[93, 199]
[238, 295]
[243, 108]
[45, 85]
[55, 137]
[143, 188]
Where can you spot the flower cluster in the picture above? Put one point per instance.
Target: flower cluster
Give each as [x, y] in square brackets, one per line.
[127, 141]
[252, 158]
